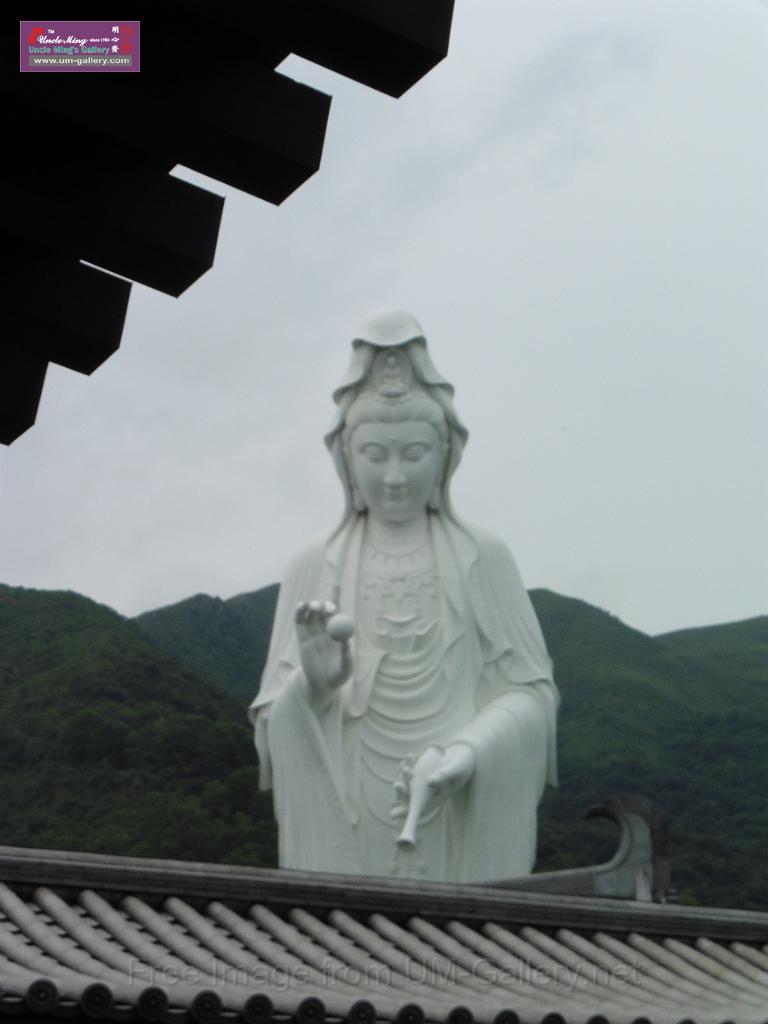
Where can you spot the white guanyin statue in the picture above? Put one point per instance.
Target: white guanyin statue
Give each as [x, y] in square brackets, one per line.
[406, 716]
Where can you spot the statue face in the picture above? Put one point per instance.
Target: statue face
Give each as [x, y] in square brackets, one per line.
[396, 467]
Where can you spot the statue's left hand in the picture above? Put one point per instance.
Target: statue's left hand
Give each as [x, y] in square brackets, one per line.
[452, 773]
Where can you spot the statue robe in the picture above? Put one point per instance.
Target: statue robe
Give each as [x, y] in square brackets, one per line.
[504, 708]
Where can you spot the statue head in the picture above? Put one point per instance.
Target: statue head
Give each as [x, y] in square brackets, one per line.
[391, 380]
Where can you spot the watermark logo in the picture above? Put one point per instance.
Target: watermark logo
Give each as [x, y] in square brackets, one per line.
[518, 976]
[79, 46]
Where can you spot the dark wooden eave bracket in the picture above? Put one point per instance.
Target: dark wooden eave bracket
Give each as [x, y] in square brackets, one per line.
[232, 118]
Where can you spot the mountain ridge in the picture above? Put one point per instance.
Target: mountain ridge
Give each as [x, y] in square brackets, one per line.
[223, 640]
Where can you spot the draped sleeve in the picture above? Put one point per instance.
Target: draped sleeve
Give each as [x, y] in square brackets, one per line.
[514, 649]
[307, 578]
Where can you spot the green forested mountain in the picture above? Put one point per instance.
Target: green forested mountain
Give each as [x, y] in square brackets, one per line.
[110, 742]
[107, 744]
[735, 649]
[224, 642]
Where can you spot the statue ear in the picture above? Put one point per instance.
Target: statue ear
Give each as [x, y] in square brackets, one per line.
[357, 500]
[435, 502]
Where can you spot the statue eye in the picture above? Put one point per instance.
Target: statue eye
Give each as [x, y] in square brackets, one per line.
[374, 452]
[413, 452]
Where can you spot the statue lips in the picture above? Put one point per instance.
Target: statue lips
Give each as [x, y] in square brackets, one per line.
[396, 497]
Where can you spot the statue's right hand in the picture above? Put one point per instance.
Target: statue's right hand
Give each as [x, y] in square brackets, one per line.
[327, 663]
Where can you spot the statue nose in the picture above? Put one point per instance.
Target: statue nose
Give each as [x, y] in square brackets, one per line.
[394, 476]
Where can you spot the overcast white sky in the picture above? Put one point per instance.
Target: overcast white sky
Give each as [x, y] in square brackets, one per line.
[575, 205]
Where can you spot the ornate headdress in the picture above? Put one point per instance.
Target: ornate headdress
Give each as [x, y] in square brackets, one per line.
[391, 376]
[391, 367]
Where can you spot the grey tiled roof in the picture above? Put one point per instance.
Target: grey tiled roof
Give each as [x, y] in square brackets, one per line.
[99, 937]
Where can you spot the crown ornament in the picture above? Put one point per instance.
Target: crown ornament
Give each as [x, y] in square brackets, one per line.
[391, 378]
